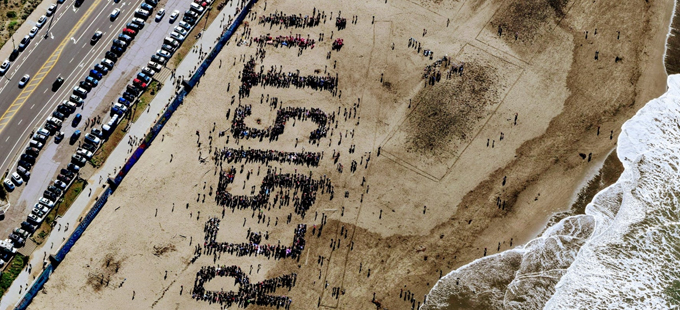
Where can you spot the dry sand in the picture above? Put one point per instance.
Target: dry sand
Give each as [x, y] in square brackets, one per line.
[433, 153]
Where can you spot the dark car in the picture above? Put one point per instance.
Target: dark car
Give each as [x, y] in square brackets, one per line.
[191, 14]
[89, 146]
[28, 158]
[189, 20]
[145, 78]
[125, 38]
[97, 132]
[133, 90]
[28, 227]
[111, 56]
[152, 2]
[101, 69]
[97, 35]
[51, 127]
[59, 115]
[73, 168]
[132, 26]
[92, 81]
[32, 151]
[158, 59]
[147, 7]
[64, 109]
[64, 179]
[74, 137]
[58, 137]
[96, 74]
[85, 85]
[13, 56]
[123, 101]
[119, 43]
[57, 83]
[129, 97]
[117, 50]
[76, 120]
[25, 164]
[55, 190]
[68, 173]
[168, 48]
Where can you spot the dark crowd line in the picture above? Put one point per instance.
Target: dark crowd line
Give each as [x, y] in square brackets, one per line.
[290, 21]
[278, 78]
[240, 130]
[231, 155]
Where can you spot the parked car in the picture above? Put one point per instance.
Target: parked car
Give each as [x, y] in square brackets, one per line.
[185, 25]
[84, 153]
[97, 132]
[50, 195]
[41, 21]
[51, 9]
[163, 53]
[14, 54]
[33, 32]
[92, 81]
[92, 139]
[43, 132]
[68, 173]
[25, 173]
[28, 158]
[78, 160]
[96, 74]
[173, 16]
[169, 48]
[85, 85]
[8, 185]
[128, 96]
[108, 63]
[142, 13]
[181, 31]
[175, 35]
[196, 7]
[144, 78]
[26, 165]
[154, 66]
[82, 93]
[73, 167]
[101, 68]
[76, 120]
[29, 227]
[139, 83]
[131, 26]
[24, 42]
[32, 151]
[55, 190]
[39, 137]
[125, 38]
[59, 137]
[24, 234]
[75, 136]
[16, 178]
[138, 21]
[60, 184]
[35, 144]
[17, 240]
[58, 115]
[111, 56]
[76, 100]
[148, 71]
[52, 127]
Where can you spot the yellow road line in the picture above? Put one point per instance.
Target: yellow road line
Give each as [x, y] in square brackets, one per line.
[42, 72]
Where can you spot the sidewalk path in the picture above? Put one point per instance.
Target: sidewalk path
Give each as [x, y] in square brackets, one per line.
[114, 163]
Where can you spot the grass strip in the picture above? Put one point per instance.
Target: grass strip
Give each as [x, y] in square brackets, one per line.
[16, 264]
[59, 210]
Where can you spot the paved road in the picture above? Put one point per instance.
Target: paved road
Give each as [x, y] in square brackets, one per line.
[76, 59]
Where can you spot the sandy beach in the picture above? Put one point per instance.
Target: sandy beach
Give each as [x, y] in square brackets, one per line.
[448, 169]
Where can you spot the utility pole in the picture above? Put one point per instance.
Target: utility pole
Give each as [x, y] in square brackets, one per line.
[47, 33]
[207, 16]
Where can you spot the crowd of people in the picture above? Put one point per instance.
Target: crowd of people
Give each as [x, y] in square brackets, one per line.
[303, 185]
[253, 247]
[289, 41]
[278, 78]
[290, 21]
[433, 73]
[248, 294]
[266, 156]
[240, 130]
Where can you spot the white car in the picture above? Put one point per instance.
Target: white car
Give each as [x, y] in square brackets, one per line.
[60, 184]
[173, 16]
[84, 153]
[46, 202]
[33, 32]
[115, 13]
[4, 67]
[24, 80]
[160, 14]
[51, 9]
[17, 179]
[163, 53]
[142, 12]
[181, 31]
[9, 185]
[177, 36]
[41, 21]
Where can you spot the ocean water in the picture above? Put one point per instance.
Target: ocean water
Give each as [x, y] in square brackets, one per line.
[623, 253]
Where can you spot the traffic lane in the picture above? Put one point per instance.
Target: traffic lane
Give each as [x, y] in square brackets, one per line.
[88, 56]
[143, 47]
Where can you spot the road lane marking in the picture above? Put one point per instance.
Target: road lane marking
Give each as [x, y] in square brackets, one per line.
[19, 123]
[6, 139]
[44, 70]
[45, 90]
[72, 60]
[32, 106]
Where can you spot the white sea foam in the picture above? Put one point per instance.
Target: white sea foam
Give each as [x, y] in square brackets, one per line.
[622, 254]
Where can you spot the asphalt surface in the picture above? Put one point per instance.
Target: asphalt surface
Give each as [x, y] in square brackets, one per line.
[77, 58]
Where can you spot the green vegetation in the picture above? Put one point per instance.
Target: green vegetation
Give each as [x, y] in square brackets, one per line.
[119, 133]
[190, 40]
[12, 25]
[59, 210]
[11, 14]
[15, 266]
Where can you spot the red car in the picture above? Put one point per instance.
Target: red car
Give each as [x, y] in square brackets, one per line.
[129, 32]
[139, 83]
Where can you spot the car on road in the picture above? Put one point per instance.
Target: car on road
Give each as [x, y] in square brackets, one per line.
[163, 53]
[24, 42]
[148, 71]
[57, 83]
[96, 74]
[78, 160]
[115, 14]
[101, 68]
[8, 185]
[33, 32]
[154, 66]
[32, 151]
[146, 7]
[158, 59]
[51, 9]
[131, 26]
[92, 81]
[58, 137]
[142, 13]
[41, 21]
[79, 92]
[75, 122]
[85, 153]
[76, 100]
[175, 35]
[160, 14]
[121, 43]
[108, 63]
[173, 16]
[24, 80]
[16, 178]
[181, 31]
[125, 38]
[28, 158]
[111, 56]
[138, 21]
[5, 66]
[95, 37]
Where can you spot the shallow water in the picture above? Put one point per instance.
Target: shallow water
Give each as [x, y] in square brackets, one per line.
[622, 254]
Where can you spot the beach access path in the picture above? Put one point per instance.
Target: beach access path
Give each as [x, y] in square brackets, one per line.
[116, 160]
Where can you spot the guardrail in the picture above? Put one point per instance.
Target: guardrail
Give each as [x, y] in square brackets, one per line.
[153, 133]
